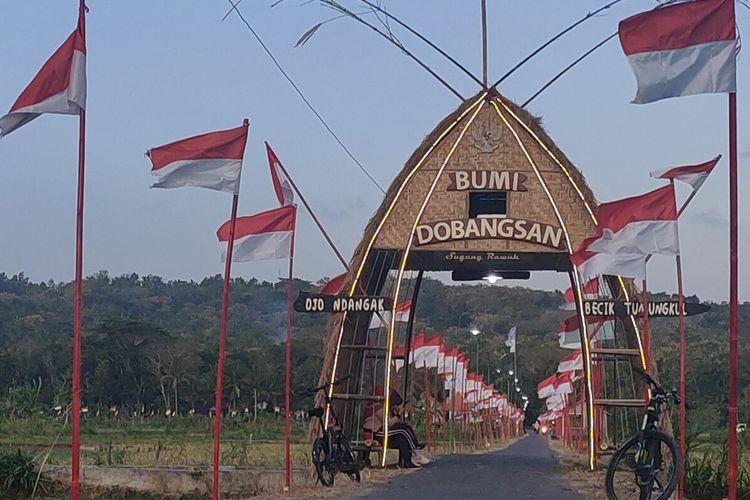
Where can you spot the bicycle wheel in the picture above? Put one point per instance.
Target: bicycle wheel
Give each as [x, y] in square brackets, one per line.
[646, 471]
[321, 460]
[345, 457]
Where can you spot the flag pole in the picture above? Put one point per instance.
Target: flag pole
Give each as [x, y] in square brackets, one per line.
[288, 369]
[427, 416]
[222, 349]
[314, 217]
[683, 363]
[75, 444]
[733, 300]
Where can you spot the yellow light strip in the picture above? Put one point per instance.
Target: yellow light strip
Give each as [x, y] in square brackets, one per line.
[554, 158]
[637, 332]
[382, 223]
[402, 267]
[582, 320]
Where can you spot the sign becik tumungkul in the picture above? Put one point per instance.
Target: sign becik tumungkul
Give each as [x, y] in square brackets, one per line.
[656, 309]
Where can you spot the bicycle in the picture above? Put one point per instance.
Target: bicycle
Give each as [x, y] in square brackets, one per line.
[648, 463]
[331, 452]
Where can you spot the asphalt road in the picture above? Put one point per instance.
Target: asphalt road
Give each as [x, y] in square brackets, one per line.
[525, 470]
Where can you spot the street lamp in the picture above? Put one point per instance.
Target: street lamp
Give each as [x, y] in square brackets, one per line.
[475, 332]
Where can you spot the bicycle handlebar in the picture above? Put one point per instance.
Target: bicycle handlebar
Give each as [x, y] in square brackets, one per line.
[311, 392]
[673, 395]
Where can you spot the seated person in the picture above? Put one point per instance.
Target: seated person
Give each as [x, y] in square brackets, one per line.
[400, 434]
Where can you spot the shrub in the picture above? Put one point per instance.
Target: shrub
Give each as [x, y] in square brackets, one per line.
[18, 472]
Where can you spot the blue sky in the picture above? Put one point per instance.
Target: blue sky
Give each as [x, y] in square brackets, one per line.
[159, 71]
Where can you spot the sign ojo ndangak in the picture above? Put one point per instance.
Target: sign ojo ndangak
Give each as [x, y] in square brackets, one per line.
[315, 303]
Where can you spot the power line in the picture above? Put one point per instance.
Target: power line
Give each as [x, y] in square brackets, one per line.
[554, 39]
[302, 96]
[568, 68]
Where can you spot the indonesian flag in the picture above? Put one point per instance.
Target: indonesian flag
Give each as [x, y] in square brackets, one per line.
[683, 49]
[511, 340]
[569, 332]
[59, 87]
[402, 314]
[628, 230]
[211, 161]
[695, 175]
[427, 354]
[264, 236]
[590, 291]
[564, 384]
[571, 362]
[546, 387]
[334, 285]
[282, 185]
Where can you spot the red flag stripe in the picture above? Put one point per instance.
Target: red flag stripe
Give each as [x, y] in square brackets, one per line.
[54, 77]
[658, 204]
[678, 26]
[676, 172]
[221, 145]
[334, 285]
[277, 220]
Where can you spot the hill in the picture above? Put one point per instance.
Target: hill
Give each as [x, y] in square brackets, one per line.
[149, 343]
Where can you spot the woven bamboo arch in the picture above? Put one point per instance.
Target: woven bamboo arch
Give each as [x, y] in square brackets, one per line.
[487, 145]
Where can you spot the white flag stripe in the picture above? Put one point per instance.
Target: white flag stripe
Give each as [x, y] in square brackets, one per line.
[571, 364]
[286, 186]
[698, 69]
[695, 180]
[640, 237]
[219, 175]
[627, 266]
[263, 246]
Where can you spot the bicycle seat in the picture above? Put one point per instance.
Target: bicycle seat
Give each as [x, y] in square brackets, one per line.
[315, 412]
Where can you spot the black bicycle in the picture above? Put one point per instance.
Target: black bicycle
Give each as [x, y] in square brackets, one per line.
[331, 452]
[647, 465]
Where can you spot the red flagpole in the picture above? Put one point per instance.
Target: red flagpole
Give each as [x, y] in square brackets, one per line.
[222, 350]
[733, 300]
[427, 416]
[288, 370]
[75, 440]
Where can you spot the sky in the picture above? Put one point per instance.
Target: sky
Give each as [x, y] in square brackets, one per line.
[159, 71]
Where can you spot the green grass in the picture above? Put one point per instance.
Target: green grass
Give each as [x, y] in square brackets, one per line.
[177, 441]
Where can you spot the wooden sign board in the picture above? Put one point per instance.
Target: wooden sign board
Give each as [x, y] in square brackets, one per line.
[315, 303]
[656, 309]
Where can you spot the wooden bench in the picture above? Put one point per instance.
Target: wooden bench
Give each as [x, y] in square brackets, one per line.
[362, 452]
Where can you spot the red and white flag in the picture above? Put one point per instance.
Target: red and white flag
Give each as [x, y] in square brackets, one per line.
[695, 175]
[590, 291]
[264, 236]
[546, 387]
[402, 314]
[569, 332]
[281, 183]
[628, 230]
[564, 383]
[571, 362]
[335, 285]
[211, 161]
[59, 87]
[683, 49]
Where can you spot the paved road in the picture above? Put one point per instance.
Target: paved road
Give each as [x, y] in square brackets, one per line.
[525, 470]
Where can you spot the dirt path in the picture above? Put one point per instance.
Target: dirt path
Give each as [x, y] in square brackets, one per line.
[526, 470]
